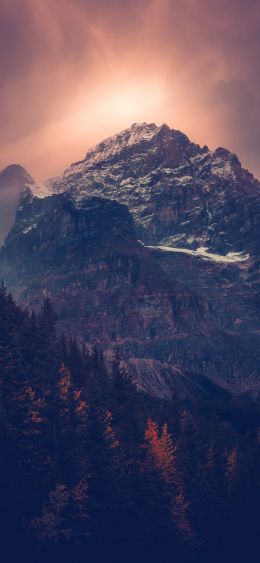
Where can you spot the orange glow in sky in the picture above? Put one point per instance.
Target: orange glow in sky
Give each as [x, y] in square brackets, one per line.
[74, 72]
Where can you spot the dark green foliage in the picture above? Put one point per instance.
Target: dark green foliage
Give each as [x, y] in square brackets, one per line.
[93, 470]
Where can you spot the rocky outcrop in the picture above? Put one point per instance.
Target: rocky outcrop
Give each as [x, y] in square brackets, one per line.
[105, 284]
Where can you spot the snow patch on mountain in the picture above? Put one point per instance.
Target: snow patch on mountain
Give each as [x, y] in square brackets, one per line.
[40, 190]
[222, 168]
[202, 252]
[28, 229]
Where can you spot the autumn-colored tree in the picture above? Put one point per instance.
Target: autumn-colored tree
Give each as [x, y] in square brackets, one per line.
[161, 451]
[64, 515]
[232, 468]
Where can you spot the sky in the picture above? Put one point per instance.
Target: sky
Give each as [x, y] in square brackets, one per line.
[74, 72]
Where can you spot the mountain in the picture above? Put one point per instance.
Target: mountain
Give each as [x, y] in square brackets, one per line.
[13, 180]
[180, 195]
[150, 245]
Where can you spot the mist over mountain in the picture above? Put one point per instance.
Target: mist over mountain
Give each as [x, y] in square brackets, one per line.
[12, 182]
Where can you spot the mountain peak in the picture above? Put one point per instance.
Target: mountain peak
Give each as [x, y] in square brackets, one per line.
[13, 179]
[134, 135]
[138, 132]
[15, 171]
[142, 125]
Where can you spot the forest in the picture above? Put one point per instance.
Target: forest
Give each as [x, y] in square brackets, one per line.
[94, 470]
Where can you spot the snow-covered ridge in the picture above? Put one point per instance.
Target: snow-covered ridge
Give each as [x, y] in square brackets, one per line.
[40, 190]
[135, 134]
[99, 165]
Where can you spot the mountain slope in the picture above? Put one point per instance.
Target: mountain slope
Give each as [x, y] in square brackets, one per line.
[106, 286]
[109, 289]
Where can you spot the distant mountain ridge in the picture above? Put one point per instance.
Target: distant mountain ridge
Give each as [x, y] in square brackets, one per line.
[13, 180]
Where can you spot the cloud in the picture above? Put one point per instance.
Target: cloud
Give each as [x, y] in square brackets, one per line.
[65, 64]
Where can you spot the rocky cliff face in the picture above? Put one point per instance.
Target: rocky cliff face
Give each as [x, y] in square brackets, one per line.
[150, 246]
[105, 284]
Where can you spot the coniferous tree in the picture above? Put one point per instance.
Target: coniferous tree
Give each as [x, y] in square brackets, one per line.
[93, 468]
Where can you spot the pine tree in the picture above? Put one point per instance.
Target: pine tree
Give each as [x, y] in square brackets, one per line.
[232, 469]
[64, 418]
[126, 404]
[161, 451]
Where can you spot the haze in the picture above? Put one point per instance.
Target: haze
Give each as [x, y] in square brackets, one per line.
[76, 71]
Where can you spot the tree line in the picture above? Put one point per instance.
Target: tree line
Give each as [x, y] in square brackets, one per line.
[92, 469]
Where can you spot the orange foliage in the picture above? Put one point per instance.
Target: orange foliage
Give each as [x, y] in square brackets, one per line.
[162, 450]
